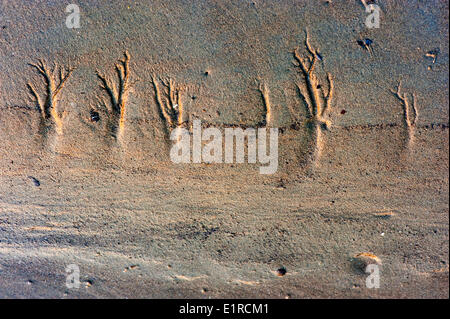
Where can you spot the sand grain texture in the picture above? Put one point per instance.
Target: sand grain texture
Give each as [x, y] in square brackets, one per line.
[363, 162]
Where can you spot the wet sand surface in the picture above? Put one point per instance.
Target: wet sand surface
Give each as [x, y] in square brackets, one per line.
[100, 191]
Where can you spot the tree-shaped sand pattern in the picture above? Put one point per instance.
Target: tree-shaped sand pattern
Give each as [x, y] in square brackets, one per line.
[316, 98]
[48, 106]
[118, 95]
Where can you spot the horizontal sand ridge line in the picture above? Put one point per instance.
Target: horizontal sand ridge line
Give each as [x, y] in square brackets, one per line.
[294, 126]
[297, 126]
[386, 125]
[19, 107]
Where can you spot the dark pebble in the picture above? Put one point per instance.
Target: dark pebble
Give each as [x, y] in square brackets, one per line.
[95, 117]
[281, 271]
[35, 181]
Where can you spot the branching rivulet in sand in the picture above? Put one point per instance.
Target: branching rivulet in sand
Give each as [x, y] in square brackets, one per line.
[313, 94]
[54, 82]
[409, 123]
[118, 96]
[170, 104]
[262, 87]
